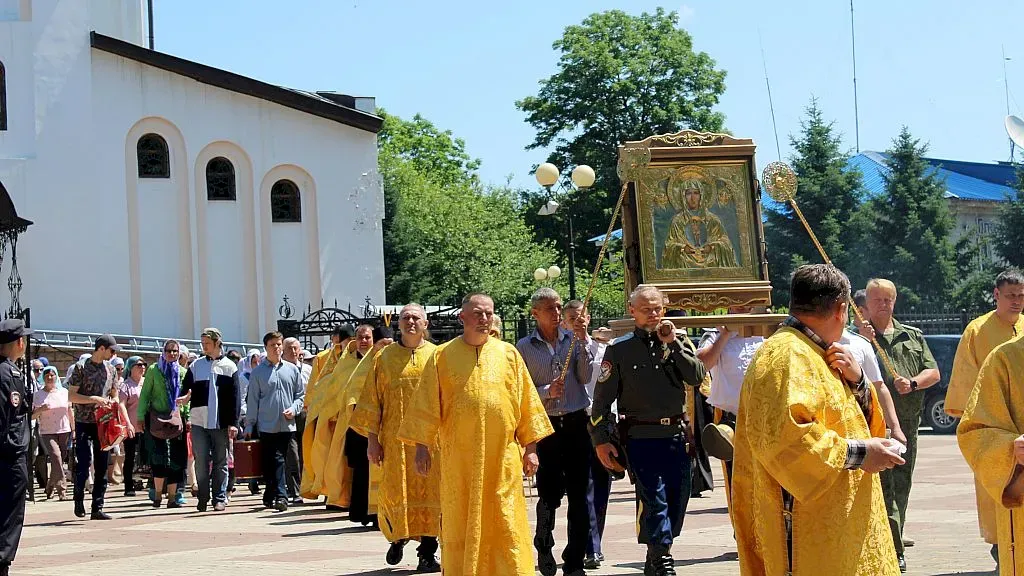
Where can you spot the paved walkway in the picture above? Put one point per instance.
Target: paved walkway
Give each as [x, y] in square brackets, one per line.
[309, 541]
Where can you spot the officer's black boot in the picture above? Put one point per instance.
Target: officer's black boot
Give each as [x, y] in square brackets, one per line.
[659, 561]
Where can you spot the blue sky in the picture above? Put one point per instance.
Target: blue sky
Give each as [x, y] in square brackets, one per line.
[933, 65]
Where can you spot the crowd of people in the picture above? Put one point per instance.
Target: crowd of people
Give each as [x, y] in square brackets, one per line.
[816, 427]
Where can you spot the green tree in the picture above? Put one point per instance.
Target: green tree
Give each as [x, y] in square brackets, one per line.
[830, 197]
[451, 240]
[620, 77]
[1009, 234]
[976, 273]
[912, 224]
[434, 152]
[444, 234]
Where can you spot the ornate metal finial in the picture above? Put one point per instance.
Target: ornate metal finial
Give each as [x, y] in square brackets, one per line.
[285, 310]
[632, 162]
[779, 181]
[14, 280]
[369, 311]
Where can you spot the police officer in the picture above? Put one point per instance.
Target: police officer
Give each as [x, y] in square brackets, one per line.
[647, 373]
[15, 415]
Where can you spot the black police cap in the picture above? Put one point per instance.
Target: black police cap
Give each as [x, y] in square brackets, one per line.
[12, 329]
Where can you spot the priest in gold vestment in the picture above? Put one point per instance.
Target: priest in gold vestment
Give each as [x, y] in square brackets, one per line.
[408, 505]
[980, 337]
[323, 367]
[325, 406]
[476, 399]
[806, 499]
[347, 473]
[991, 437]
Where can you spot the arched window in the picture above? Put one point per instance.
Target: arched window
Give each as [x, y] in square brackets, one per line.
[154, 160]
[3, 97]
[220, 179]
[285, 204]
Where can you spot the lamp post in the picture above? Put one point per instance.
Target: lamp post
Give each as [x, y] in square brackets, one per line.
[582, 177]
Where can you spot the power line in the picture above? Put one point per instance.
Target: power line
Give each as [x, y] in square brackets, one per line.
[771, 106]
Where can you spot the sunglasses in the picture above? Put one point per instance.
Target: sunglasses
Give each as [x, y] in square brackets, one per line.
[174, 351]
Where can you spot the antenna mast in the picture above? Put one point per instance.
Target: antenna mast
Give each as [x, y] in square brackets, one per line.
[856, 114]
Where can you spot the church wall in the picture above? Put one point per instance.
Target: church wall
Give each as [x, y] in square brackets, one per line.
[112, 252]
[335, 252]
[73, 261]
[227, 230]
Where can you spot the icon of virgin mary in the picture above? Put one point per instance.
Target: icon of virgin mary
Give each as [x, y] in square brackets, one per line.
[696, 236]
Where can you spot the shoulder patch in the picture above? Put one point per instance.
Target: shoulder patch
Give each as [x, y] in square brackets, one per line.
[621, 339]
[606, 371]
[15, 399]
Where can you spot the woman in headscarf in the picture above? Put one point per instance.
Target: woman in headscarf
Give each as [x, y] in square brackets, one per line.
[160, 390]
[131, 388]
[56, 425]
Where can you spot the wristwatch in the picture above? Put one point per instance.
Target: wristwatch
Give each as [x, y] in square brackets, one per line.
[913, 384]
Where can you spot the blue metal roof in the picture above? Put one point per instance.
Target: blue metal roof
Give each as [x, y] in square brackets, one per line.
[963, 180]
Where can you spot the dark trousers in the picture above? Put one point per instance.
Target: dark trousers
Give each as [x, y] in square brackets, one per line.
[88, 452]
[131, 448]
[661, 468]
[13, 492]
[355, 453]
[273, 448]
[295, 456]
[599, 491]
[564, 471]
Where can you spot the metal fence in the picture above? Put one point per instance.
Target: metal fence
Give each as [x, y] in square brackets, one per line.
[937, 321]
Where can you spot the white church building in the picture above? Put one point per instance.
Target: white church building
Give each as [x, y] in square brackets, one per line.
[167, 195]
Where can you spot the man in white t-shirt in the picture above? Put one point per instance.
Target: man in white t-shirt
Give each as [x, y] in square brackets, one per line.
[864, 352]
[727, 355]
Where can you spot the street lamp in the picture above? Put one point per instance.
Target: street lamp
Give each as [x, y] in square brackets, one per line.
[582, 177]
[552, 272]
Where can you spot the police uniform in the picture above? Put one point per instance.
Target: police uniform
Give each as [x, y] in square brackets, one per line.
[648, 379]
[15, 416]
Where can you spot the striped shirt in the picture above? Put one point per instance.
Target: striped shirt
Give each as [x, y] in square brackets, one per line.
[544, 362]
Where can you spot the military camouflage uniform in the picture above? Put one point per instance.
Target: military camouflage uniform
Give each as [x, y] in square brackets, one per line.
[910, 355]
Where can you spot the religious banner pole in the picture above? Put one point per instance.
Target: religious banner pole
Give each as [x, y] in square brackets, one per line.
[780, 182]
[632, 161]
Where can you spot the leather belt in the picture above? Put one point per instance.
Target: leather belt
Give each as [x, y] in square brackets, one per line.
[669, 421]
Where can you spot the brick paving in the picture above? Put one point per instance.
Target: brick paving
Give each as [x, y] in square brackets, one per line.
[310, 541]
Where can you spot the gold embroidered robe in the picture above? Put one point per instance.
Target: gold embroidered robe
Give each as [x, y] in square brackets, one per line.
[979, 339]
[481, 405]
[993, 419]
[409, 505]
[337, 473]
[795, 415]
[313, 461]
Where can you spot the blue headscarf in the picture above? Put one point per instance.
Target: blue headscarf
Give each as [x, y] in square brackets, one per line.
[170, 372]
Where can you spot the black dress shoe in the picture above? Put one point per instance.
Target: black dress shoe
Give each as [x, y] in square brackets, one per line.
[395, 552]
[546, 563]
[100, 515]
[79, 509]
[591, 562]
[428, 565]
[902, 562]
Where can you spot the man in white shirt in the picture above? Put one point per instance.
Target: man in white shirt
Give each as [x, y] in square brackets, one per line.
[727, 355]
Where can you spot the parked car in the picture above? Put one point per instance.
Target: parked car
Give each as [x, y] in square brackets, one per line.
[943, 347]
